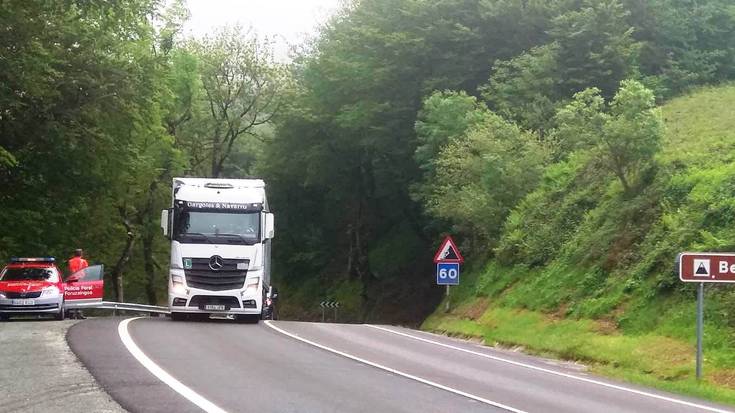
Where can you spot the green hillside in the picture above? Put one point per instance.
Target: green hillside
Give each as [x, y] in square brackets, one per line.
[583, 272]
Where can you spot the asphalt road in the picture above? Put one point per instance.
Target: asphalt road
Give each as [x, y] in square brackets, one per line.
[38, 372]
[311, 367]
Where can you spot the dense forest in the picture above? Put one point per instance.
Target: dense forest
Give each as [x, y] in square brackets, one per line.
[528, 129]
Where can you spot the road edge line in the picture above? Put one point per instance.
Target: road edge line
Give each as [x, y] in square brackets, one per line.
[394, 371]
[557, 373]
[161, 374]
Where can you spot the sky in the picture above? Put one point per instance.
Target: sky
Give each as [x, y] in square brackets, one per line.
[287, 22]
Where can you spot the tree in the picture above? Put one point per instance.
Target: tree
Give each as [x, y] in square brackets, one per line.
[6, 158]
[590, 46]
[81, 92]
[527, 88]
[596, 47]
[627, 132]
[242, 85]
[481, 175]
[443, 116]
[683, 43]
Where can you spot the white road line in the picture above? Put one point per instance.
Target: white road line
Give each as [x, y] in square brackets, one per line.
[177, 386]
[557, 373]
[394, 371]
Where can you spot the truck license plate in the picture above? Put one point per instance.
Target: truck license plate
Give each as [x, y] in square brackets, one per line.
[215, 307]
[24, 302]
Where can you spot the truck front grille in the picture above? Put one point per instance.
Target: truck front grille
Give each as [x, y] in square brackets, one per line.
[229, 277]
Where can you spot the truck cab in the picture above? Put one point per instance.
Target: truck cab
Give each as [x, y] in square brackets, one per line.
[221, 232]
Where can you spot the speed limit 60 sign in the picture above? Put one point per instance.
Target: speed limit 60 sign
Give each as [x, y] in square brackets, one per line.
[447, 273]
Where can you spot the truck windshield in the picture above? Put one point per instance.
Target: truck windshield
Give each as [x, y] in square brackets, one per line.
[30, 274]
[217, 227]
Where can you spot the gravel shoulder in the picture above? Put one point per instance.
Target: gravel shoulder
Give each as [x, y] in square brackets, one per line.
[39, 373]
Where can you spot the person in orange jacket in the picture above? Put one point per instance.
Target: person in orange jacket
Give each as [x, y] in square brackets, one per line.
[76, 263]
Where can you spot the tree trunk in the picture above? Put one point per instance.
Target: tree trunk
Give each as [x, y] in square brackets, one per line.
[149, 227]
[216, 153]
[117, 271]
[149, 265]
[623, 180]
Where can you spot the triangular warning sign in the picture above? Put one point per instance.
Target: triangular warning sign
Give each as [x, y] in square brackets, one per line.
[702, 270]
[448, 252]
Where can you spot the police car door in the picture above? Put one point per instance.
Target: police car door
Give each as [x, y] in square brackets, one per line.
[84, 288]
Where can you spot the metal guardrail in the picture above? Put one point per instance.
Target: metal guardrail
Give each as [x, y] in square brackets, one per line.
[111, 305]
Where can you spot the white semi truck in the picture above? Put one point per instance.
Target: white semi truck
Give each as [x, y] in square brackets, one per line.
[221, 232]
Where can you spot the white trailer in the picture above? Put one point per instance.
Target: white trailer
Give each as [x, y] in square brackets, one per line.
[221, 232]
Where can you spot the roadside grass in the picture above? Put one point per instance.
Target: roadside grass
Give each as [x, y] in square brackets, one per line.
[588, 274]
[649, 359]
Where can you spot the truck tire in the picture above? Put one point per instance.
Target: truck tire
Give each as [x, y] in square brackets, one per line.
[4, 317]
[248, 318]
[178, 316]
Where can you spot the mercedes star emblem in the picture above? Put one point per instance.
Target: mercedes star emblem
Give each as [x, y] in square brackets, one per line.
[216, 263]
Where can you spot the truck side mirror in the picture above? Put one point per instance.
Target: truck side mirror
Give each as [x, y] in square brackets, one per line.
[166, 224]
[269, 226]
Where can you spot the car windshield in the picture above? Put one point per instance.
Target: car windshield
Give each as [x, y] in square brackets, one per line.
[30, 274]
[218, 227]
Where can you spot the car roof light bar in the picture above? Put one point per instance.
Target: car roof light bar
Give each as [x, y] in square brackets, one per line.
[33, 259]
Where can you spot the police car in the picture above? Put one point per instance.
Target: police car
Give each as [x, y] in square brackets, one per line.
[31, 285]
[36, 286]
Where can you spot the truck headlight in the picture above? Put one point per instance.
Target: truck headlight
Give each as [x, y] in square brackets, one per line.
[177, 284]
[2, 295]
[50, 292]
[251, 287]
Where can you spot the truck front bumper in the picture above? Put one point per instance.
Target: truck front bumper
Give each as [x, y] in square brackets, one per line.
[214, 302]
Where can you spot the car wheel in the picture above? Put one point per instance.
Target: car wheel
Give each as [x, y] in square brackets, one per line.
[60, 315]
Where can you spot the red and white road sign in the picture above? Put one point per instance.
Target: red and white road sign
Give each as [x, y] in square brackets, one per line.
[448, 252]
[707, 267]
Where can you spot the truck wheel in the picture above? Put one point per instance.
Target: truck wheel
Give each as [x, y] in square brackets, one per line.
[178, 316]
[4, 317]
[248, 318]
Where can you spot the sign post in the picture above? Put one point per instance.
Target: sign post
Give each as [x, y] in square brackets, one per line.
[446, 307]
[447, 260]
[700, 327]
[329, 304]
[704, 267]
